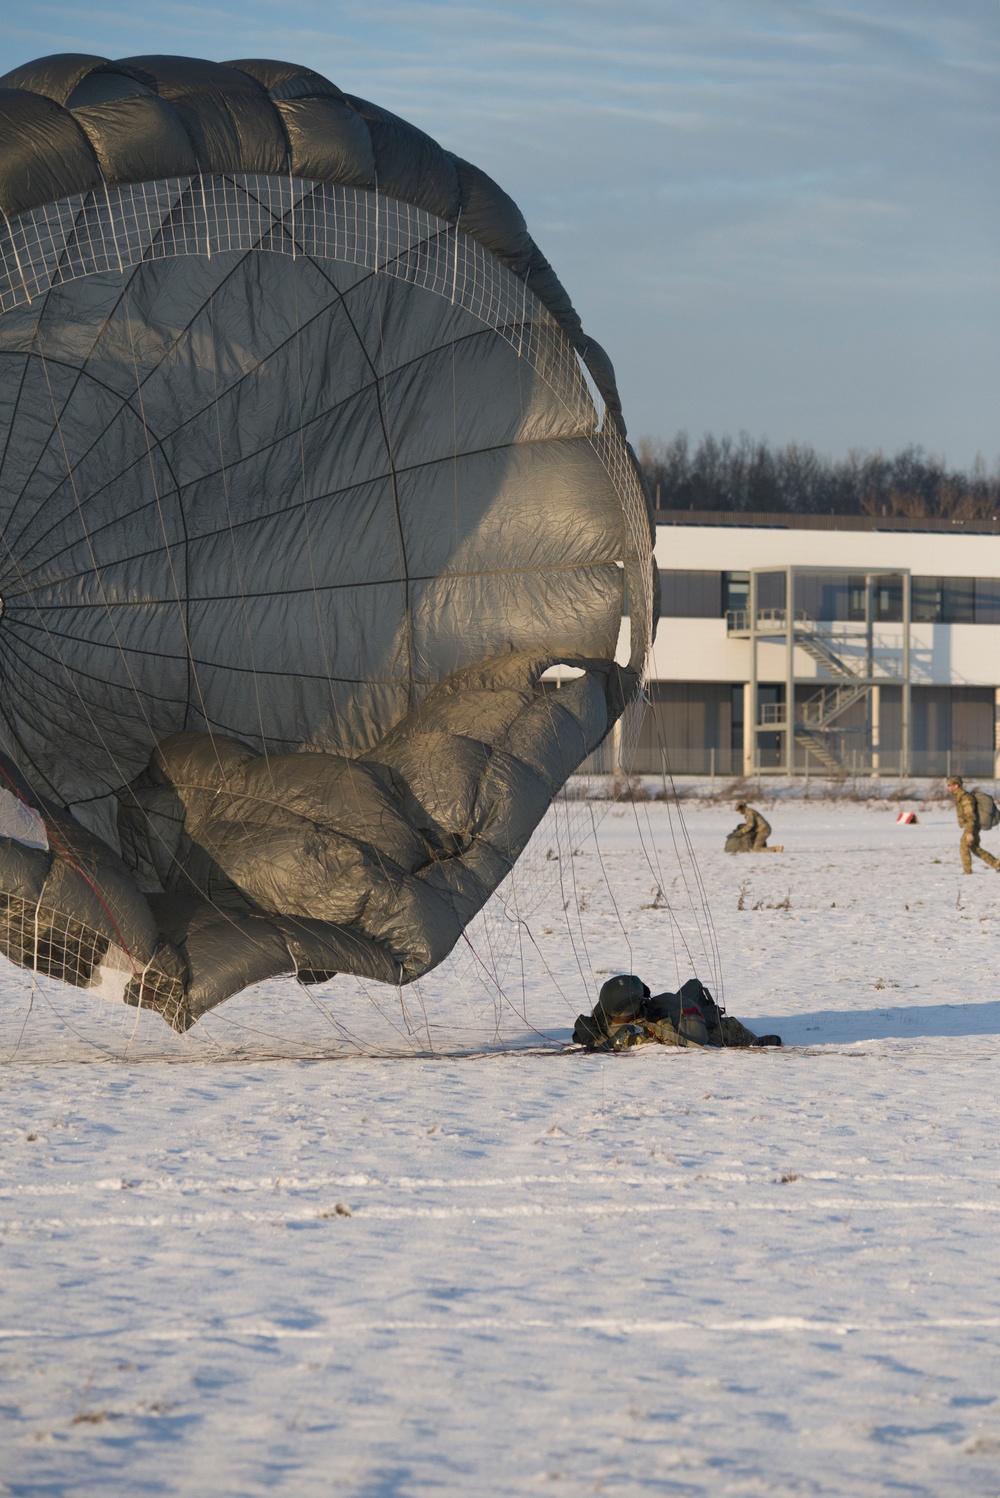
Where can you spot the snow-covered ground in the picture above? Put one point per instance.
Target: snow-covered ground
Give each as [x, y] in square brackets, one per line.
[677, 1272]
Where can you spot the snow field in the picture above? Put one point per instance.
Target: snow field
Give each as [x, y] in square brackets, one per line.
[670, 1272]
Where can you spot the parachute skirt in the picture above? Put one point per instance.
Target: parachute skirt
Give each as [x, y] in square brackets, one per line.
[304, 488]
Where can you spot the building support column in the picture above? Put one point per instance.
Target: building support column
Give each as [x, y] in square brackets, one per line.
[875, 699]
[907, 728]
[790, 671]
[750, 715]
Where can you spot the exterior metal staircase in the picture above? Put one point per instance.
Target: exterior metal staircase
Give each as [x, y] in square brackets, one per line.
[811, 713]
[815, 717]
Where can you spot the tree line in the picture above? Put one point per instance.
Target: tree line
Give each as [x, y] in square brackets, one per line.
[747, 474]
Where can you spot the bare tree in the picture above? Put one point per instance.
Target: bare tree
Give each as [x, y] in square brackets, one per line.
[750, 475]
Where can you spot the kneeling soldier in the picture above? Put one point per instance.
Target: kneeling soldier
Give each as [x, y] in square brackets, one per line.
[755, 828]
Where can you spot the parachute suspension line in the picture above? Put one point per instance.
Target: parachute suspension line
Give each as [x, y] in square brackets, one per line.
[518, 928]
[386, 423]
[676, 930]
[305, 509]
[93, 560]
[71, 475]
[303, 481]
[423, 1011]
[56, 656]
[607, 881]
[377, 204]
[522, 1017]
[79, 374]
[61, 848]
[495, 972]
[560, 858]
[524, 926]
[17, 257]
[204, 209]
[118, 252]
[104, 1051]
[32, 989]
[706, 904]
[238, 570]
[183, 600]
[338, 1027]
[454, 263]
[575, 902]
[673, 803]
[681, 856]
[291, 217]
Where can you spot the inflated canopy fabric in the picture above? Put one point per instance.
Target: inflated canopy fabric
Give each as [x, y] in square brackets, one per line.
[72, 122]
[302, 490]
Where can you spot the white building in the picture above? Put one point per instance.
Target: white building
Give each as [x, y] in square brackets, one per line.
[889, 655]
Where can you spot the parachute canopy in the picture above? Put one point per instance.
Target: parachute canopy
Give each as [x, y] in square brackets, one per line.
[308, 474]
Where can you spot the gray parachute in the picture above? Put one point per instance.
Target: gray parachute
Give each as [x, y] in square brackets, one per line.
[308, 475]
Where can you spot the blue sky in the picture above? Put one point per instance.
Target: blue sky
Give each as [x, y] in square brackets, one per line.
[779, 216]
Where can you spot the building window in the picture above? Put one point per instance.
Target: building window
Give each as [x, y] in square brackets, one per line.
[688, 729]
[691, 595]
[959, 601]
[953, 730]
[956, 600]
[988, 600]
[888, 599]
[736, 718]
[926, 600]
[735, 592]
[829, 596]
[770, 709]
[771, 591]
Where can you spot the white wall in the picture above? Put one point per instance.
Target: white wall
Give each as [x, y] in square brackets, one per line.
[943, 654]
[737, 548]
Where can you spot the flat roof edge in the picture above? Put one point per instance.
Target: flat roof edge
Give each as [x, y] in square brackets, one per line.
[758, 520]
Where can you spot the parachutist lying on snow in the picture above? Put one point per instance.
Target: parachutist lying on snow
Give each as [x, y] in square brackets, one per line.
[626, 1014]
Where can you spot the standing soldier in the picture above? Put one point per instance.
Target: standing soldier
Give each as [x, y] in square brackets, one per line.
[755, 829]
[967, 810]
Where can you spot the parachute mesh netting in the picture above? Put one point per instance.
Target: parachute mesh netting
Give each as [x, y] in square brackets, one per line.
[310, 484]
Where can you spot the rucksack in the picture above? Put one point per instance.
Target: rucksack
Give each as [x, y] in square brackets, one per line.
[989, 812]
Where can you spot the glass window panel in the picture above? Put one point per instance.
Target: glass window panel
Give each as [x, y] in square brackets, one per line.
[770, 590]
[888, 598]
[926, 600]
[735, 591]
[959, 600]
[691, 595]
[988, 600]
[823, 595]
[857, 600]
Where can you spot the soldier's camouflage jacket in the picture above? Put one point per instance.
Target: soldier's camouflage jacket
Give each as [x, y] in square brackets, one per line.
[967, 811]
[753, 823]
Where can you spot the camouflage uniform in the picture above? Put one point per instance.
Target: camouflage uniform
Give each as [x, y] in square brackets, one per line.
[626, 1015]
[967, 811]
[754, 826]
